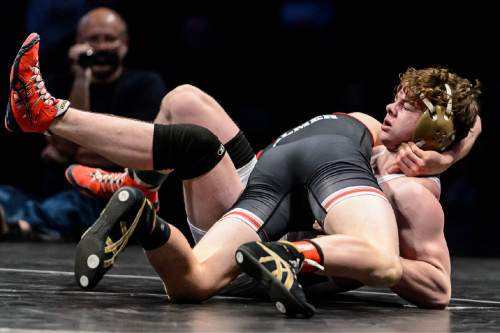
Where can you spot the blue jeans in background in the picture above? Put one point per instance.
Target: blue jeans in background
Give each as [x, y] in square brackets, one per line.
[63, 216]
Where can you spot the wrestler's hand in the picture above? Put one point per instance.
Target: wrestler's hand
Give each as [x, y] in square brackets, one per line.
[413, 161]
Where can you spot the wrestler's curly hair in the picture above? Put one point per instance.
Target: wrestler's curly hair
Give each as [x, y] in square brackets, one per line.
[429, 83]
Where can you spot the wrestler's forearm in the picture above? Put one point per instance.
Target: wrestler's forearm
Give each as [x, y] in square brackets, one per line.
[424, 284]
[126, 142]
[462, 148]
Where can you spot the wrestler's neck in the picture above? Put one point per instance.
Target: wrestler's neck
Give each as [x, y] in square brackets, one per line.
[382, 160]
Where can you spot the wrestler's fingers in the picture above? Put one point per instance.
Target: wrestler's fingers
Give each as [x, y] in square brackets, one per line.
[416, 149]
[406, 165]
[407, 151]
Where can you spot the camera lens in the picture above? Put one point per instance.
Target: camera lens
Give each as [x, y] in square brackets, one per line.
[86, 59]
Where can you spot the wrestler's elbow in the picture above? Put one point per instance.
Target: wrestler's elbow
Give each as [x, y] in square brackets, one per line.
[437, 299]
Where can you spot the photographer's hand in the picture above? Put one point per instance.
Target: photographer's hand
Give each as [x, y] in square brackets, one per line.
[74, 54]
[80, 92]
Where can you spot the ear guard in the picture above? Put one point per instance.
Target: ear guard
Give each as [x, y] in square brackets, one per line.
[435, 130]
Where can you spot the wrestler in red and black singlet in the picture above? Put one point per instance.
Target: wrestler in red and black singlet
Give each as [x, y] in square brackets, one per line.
[305, 172]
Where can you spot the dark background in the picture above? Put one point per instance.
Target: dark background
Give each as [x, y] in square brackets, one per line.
[274, 64]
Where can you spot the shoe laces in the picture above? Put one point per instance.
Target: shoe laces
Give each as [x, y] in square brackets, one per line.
[39, 87]
[108, 181]
[297, 264]
[314, 264]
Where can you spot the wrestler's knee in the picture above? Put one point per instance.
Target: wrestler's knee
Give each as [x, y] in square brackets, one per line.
[190, 293]
[182, 102]
[189, 149]
[186, 296]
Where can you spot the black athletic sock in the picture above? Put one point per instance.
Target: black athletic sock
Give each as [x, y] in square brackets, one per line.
[148, 178]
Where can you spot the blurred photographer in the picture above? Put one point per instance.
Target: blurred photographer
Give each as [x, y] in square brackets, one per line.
[101, 46]
[96, 58]
[99, 82]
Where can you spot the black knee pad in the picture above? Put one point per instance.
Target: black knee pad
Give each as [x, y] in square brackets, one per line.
[189, 149]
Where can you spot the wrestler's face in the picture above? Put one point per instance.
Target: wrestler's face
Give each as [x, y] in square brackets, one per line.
[400, 121]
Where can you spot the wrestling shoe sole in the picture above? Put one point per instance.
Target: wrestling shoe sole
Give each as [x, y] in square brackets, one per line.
[95, 254]
[284, 300]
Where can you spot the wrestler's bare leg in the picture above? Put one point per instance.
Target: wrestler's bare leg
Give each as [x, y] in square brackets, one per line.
[202, 273]
[197, 275]
[207, 197]
[190, 105]
[362, 241]
[126, 142]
